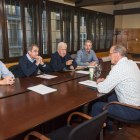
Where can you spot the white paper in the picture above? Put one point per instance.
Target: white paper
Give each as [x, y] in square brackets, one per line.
[41, 89]
[137, 62]
[46, 76]
[83, 72]
[89, 83]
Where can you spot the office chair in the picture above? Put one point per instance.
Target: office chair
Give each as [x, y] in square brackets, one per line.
[100, 60]
[87, 130]
[48, 64]
[121, 119]
[14, 70]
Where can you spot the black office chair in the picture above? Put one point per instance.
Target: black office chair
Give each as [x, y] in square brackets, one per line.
[47, 63]
[14, 70]
[87, 130]
[120, 120]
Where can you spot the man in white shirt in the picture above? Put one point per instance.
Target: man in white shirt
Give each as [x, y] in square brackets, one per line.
[125, 79]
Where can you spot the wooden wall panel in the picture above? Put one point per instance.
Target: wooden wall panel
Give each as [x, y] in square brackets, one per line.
[129, 34]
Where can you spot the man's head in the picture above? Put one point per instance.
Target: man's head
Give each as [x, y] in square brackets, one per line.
[33, 51]
[88, 46]
[117, 52]
[62, 47]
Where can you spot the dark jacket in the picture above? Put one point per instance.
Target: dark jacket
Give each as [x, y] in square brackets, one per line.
[57, 64]
[27, 68]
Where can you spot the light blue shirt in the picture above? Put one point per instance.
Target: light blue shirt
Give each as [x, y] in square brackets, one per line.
[4, 72]
[125, 78]
[82, 58]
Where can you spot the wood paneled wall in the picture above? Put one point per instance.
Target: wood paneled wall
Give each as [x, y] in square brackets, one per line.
[129, 34]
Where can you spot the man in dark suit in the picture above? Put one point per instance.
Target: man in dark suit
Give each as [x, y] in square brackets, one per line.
[61, 59]
[31, 63]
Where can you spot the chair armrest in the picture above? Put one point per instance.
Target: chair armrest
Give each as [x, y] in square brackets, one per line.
[115, 102]
[77, 113]
[38, 135]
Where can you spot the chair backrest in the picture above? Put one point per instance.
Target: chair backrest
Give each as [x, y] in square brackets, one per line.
[14, 70]
[89, 129]
[100, 60]
[47, 63]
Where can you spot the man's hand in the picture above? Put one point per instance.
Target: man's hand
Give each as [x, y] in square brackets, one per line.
[9, 80]
[69, 62]
[100, 80]
[92, 64]
[71, 67]
[39, 60]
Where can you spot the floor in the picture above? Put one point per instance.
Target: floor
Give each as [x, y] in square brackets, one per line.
[126, 133]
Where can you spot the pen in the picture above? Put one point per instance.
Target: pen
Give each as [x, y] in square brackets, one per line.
[91, 88]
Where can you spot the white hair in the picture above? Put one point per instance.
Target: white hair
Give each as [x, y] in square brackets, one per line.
[61, 44]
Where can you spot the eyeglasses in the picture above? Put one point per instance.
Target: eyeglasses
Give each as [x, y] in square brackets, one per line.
[112, 53]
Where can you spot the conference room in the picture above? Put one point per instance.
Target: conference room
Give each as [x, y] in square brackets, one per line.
[46, 23]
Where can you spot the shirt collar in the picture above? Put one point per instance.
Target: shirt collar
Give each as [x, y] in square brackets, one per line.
[29, 58]
[123, 59]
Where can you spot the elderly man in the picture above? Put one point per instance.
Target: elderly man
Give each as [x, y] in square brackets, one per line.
[61, 60]
[31, 63]
[125, 79]
[6, 74]
[86, 56]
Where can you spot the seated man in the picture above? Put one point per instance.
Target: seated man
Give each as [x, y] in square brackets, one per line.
[31, 63]
[86, 56]
[6, 74]
[61, 59]
[125, 79]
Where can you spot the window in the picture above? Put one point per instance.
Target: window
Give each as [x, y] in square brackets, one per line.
[67, 29]
[75, 31]
[14, 32]
[102, 33]
[83, 30]
[55, 28]
[31, 24]
[91, 29]
[44, 31]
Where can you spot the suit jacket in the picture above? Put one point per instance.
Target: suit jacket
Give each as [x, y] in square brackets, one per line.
[57, 64]
[27, 68]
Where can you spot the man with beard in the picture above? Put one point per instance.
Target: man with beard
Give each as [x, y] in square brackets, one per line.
[86, 56]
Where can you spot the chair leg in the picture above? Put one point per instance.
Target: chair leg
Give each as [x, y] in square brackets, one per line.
[85, 111]
[119, 125]
[101, 134]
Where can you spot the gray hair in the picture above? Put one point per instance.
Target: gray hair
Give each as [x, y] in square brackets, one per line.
[121, 49]
[88, 41]
[61, 44]
[31, 47]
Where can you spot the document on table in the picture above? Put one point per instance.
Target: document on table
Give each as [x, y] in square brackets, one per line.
[46, 76]
[137, 62]
[41, 89]
[83, 72]
[89, 83]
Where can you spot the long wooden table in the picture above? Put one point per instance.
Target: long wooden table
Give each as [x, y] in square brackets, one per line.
[21, 112]
[21, 84]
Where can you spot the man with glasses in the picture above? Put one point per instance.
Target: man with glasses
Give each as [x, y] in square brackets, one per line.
[31, 63]
[125, 79]
[86, 56]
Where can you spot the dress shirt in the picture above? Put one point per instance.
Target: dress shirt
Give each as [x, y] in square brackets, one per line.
[125, 78]
[82, 57]
[4, 72]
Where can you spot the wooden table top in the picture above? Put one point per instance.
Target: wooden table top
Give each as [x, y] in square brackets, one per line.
[21, 84]
[25, 111]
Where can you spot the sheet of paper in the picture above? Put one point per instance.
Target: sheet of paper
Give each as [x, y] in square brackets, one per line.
[137, 62]
[46, 76]
[89, 83]
[83, 72]
[41, 89]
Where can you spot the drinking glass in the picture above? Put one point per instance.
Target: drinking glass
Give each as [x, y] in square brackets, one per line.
[98, 70]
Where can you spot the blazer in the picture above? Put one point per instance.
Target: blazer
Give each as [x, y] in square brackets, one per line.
[57, 64]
